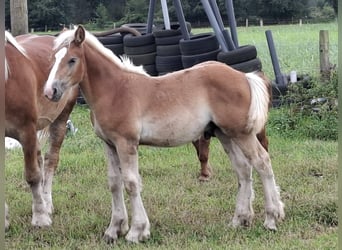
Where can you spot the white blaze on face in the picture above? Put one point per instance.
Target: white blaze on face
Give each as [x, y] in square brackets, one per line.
[48, 86]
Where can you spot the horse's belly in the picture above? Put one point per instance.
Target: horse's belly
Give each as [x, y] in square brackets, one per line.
[172, 132]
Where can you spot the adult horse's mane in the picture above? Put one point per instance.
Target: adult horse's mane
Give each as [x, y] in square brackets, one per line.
[11, 40]
[66, 37]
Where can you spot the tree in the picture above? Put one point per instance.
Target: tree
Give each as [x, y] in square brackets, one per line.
[19, 18]
[282, 9]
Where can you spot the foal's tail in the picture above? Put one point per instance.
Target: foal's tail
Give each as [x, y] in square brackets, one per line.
[260, 100]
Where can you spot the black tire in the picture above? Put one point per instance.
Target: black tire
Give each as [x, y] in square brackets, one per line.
[168, 63]
[168, 50]
[135, 41]
[117, 49]
[199, 44]
[248, 66]
[115, 39]
[239, 55]
[151, 69]
[141, 27]
[169, 40]
[173, 26]
[189, 61]
[166, 33]
[144, 59]
[139, 50]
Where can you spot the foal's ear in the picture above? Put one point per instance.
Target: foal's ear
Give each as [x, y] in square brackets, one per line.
[79, 35]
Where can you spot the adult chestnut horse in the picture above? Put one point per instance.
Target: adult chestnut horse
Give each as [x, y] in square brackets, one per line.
[28, 63]
[131, 108]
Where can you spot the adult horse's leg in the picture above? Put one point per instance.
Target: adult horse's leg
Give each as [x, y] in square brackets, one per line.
[128, 155]
[6, 217]
[34, 176]
[119, 221]
[262, 138]
[202, 149]
[57, 131]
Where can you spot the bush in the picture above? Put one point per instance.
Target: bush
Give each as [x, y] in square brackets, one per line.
[311, 110]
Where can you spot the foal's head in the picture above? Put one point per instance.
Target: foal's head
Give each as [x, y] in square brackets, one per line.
[69, 67]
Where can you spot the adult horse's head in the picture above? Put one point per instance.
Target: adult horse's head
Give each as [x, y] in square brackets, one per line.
[68, 68]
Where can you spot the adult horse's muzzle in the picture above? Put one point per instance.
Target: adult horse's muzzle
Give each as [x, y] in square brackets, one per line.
[55, 91]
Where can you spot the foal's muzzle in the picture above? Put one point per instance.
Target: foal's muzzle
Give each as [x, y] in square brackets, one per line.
[55, 92]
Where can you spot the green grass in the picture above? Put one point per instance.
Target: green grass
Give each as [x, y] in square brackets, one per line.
[185, 213]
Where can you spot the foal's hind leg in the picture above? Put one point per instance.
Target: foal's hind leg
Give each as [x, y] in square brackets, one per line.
[119, 221]
[244, 213]
[259, 158]
[202, 149]
[34, 176]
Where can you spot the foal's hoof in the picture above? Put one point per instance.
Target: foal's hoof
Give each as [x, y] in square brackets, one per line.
[242, 221]
[6, 225]
[139, 234]
[109, 239]
[41, 221]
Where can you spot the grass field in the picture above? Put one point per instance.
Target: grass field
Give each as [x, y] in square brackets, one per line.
[297, 46]
[185, 213]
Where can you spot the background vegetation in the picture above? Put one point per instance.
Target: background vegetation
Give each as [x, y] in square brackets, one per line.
[188, 214]
[52, 14]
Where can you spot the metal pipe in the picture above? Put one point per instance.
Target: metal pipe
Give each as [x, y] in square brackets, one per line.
[214, 25]
[232, 21]
[181, 19]
[165, 14]
[150, 16]
[217, 14]
[278, 75]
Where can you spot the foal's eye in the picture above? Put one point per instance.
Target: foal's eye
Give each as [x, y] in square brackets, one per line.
[72, 61]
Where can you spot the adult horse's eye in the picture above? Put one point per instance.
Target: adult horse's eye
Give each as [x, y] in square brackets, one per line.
[72, 61]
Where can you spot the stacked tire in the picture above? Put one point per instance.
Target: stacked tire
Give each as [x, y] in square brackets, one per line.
[168, 55]
[142, 51]
[114, 43]
[199, 48]
[243, 59]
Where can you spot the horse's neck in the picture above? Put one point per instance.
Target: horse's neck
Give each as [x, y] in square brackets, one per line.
[103, 77]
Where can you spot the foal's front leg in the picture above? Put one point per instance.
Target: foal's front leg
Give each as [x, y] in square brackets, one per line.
[119, 221]
[128, 155]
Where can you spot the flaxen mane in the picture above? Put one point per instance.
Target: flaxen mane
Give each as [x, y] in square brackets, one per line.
[66, 37]
[11, 40]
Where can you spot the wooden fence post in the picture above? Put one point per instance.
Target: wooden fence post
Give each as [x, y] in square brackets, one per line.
[325, 66]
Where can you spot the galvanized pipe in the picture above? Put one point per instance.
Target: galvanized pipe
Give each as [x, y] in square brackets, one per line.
[150, 16]
[278, 75]
[181, 19]
[214, 25]
[226, 36]
[165, 14]
[232, 21]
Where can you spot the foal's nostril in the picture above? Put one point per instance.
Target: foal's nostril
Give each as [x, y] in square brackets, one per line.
[54, 91]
